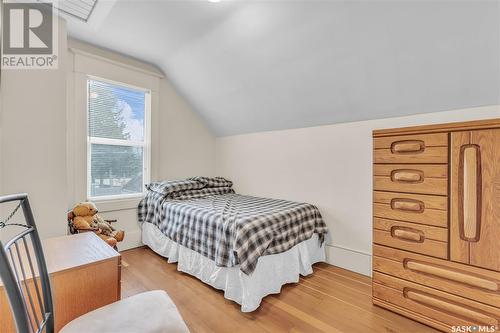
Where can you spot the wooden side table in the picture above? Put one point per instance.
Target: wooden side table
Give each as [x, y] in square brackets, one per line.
[85, 275]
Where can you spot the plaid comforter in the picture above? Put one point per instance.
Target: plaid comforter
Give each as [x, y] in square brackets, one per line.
[233, 229]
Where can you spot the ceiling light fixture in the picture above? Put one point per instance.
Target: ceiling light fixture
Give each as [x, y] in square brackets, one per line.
[213, 1]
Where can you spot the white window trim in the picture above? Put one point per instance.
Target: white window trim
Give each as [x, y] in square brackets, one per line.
[146, 144]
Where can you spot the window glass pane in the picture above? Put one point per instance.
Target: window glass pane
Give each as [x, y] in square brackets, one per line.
[116, 170]
[115, 112]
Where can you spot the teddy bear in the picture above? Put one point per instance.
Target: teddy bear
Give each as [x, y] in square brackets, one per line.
[85, 217]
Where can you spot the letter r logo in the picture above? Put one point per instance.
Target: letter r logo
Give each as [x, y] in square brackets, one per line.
[27, 28]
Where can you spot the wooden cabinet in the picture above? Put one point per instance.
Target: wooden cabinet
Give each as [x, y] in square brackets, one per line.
[436, 223]
[475, 198]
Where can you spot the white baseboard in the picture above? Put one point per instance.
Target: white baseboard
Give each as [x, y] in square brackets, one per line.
[133, 238]
[356, 261]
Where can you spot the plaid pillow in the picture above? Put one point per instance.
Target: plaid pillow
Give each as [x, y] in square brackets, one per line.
[213, 181]
[169, 186]
[201, 193]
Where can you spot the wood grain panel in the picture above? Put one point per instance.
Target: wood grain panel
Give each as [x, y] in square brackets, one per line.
[424, 179]
[411, 314]
[429, 171]
[484, 249]
[428, 155]
[485, 252]
[459, 248]
[426, 246]
[430, 201]
[439, 128]
[454, 308]
[383, 207]
[437, 186]
[435, 233]
[445, 273]
[70, 302]
[104, 289]
[458, 279]
[429, 216]
[446, 308]
[429, 140]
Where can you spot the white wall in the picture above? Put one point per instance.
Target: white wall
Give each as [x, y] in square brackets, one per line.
[33, 139]
[186, 146]
[329, 166]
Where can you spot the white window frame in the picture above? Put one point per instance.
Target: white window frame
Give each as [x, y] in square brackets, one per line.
[146, 144]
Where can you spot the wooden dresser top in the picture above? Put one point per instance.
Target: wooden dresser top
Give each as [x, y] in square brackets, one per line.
[439, 128]
[72, 252]
[67, 252]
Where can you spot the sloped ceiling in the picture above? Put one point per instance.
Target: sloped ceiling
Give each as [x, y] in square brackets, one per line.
[249, 66]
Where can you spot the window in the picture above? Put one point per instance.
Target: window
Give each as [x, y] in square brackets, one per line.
[118, 140]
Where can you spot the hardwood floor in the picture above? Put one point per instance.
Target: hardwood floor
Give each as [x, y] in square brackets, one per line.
[330, 300]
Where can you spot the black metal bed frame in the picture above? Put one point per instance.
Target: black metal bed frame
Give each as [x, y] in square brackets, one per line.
[27, 286]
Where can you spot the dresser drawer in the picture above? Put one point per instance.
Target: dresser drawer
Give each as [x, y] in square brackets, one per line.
[471, 282]
[444, 308]
[413, 178]
[413, 237]
[418, 208]
[424, 148]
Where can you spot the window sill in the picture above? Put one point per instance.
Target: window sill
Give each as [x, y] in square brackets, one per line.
[109, 205]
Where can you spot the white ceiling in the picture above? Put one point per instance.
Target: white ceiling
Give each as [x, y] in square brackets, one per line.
[248, 66]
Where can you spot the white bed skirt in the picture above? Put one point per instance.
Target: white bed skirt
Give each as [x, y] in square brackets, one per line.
[272, 272]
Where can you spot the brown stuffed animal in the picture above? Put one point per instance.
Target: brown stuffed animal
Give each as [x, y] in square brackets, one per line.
[84, 215]
[86, 218]
[107, 229]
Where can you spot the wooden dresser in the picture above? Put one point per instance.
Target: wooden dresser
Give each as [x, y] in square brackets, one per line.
[436, 223]
[85, 275]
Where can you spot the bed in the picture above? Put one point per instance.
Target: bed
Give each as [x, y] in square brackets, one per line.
[246, 246]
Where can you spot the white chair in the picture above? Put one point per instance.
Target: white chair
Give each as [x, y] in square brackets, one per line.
[32, 307]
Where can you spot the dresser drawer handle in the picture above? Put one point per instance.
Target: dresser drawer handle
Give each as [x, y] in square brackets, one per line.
[455, 276]
[407, 147]
[442, 304]
[408, 234]
[407, 176]
[408, 205]
[469, 189]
